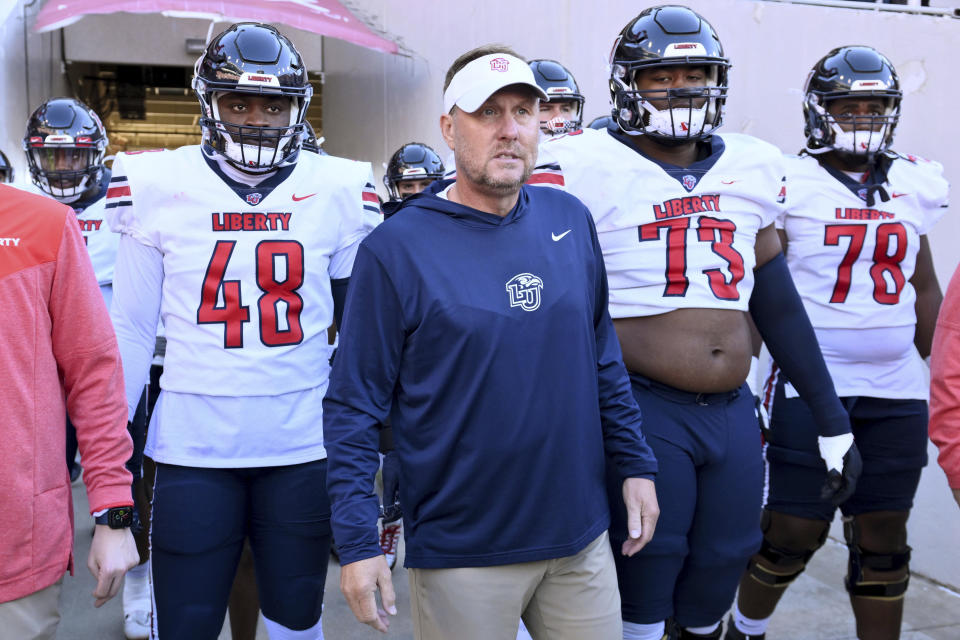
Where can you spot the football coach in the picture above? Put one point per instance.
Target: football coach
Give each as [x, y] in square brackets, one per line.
[477, 321]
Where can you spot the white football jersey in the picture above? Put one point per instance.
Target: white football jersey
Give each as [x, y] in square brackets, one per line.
[246, 298]
[100, 240]
[672, 237]
[852, 263]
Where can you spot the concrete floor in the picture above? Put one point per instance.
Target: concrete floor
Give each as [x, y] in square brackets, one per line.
[815, 607]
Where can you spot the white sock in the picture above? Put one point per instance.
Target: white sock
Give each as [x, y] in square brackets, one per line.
[636, 631]
[750, 626]
[704, 631]
[277, 631]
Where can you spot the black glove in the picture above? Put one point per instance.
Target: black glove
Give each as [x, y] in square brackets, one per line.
[842, 478]
[391, 487]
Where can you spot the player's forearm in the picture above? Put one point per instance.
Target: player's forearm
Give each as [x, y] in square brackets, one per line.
[927, 307]
[137, 287]
[778, 312]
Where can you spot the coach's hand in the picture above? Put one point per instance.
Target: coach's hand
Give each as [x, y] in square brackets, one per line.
[640, 496]
[112, 553]
[359, 582]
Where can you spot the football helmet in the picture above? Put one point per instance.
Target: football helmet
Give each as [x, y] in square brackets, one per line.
[600, 123]
[6, 169]
[851, 72]
[668, 36]
[311, 142]
[65, 144]
[412, 161]
[560, 85]
[256, 59]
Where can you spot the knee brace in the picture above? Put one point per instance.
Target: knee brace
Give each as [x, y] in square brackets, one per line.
[783, 561]
[896, 562]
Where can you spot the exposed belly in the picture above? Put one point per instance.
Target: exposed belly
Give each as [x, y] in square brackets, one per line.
[698, 350]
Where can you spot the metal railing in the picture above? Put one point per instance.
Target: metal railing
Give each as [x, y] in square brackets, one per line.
[913, 6]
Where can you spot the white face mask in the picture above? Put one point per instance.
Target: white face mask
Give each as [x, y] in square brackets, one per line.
[254, 157]
[859, 142]
[676, 123]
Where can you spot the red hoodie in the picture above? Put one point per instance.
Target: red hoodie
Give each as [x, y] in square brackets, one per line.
[58, 353]
[945, 383]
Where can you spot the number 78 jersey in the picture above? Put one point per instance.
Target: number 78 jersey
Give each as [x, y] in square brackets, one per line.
[246, 299]
[852, 262]
[671, 237]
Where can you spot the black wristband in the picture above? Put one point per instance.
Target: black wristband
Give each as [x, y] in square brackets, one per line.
[116, 518]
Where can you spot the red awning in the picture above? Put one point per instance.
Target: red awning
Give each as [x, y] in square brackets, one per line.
[325, 17]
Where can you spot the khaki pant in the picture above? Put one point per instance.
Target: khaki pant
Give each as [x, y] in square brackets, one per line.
[571, 598]
[32, 617]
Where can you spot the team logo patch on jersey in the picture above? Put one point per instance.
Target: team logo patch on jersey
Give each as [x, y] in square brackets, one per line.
[862, 193]
[524, 291]
[499, 64]
[254, 198]
[689, 182]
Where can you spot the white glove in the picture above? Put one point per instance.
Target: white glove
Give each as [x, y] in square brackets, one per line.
[844, 465]
[833, 448]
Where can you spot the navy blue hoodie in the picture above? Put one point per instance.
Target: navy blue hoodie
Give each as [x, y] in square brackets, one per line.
[488, 343]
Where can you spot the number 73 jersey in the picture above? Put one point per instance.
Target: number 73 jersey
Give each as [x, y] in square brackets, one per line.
[852, 261]
[246, 299]
[671, 237]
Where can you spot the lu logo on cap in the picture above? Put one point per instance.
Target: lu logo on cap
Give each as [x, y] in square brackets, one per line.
[500, 64]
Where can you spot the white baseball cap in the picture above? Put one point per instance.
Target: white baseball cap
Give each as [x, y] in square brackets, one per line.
[481, 78]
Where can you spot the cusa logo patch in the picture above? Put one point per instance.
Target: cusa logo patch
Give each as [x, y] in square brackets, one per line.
[499, 64]
[524, 291]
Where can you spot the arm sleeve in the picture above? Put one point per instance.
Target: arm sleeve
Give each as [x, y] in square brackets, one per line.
[619, 414]
[945, 384]
[338, 289]
[137, 288]
[778, 313]
[358, 400]
[91, 371]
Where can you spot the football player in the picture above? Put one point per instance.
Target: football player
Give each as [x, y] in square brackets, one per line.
[688, 256]
[243, 245]
[855, 235]
[65, 144]
[411, 169]
[6, 169]
[562, 112]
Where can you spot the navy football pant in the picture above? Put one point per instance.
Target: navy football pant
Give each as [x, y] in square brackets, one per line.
[200, 518]
[891, 436]
[709, 487]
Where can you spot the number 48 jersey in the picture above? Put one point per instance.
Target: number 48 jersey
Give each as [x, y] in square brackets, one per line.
[246, 299]
[671, 237]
